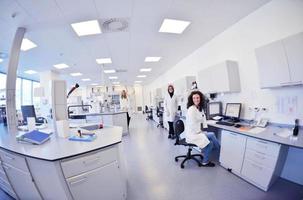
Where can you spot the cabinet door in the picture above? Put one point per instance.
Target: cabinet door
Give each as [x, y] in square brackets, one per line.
[101, 183]
[205, 80]
[220, 79]
[232, 150]
[294, 51]
[22, 183]
[273, 66]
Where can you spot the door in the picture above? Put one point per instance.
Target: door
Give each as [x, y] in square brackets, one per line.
[294, 51]
[101, 183]
[22, 183]
[273, 66]
[232, 150]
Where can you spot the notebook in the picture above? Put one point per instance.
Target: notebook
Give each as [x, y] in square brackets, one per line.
[35, 137]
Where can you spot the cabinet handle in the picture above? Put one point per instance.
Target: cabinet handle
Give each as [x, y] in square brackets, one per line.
[78, 181]
[89, 162]
[10, 158]
[234, 134]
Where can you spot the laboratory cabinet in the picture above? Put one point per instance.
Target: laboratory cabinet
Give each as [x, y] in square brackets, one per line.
[232, 151]
[280, 62]
[257, 161]
[220, 78]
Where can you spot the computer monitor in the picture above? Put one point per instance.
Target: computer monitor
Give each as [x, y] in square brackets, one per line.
[161, 104]
[214, 109]
[28, 111]
[233, 110]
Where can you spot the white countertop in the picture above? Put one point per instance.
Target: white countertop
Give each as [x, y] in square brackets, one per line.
[58, 148]
[97, 114]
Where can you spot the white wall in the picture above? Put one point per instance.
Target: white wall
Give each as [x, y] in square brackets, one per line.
[273, 21]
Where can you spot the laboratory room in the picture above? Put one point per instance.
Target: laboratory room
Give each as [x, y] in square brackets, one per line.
[151, 100]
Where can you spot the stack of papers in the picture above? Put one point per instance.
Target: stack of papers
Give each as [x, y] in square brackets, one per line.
[34, 137]
[256, 130]
[285, 133]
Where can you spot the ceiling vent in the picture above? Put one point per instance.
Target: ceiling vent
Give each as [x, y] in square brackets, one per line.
[114, 25]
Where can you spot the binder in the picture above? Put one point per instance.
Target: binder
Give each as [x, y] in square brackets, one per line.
[35, 137]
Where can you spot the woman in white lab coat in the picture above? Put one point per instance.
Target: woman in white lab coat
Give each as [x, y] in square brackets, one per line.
[170, 109]
[195, 116]
[125, 105]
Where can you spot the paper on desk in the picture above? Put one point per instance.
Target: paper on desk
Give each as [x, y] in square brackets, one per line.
[285, 133]
[256, 130]
[211, 121]
[47, 130]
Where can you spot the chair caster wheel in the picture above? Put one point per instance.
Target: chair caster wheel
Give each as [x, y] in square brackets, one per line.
[182, 166]
[176, 159]
[200, 165]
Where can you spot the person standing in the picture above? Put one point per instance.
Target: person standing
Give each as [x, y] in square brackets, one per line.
[195, 116]
[125, 105]
[170, 109]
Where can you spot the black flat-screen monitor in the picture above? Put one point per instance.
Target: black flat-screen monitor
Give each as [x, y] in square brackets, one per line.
[28, 111]
[214, 109]
[233, 110]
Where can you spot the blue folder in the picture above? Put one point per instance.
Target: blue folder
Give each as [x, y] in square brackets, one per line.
[35, 137]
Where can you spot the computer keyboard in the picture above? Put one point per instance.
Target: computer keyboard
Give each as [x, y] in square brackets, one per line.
[225, 123]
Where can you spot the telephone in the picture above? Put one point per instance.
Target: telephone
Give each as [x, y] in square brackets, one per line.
[261, 122]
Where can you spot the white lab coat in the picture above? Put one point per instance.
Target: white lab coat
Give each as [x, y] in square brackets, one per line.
[124, 104]
[193, 132]
[170, 107]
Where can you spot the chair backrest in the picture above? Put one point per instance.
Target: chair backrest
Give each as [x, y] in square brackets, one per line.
[179, 128]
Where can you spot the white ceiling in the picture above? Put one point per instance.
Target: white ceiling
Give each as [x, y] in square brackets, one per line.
[48, 25]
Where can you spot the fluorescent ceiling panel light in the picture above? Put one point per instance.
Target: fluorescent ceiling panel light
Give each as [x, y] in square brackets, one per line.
[27, 44]
[138, 81]
[103, 60]
[145, 69]
[1, 60]
[116, 82]
[173, 26]
[85, 79]
[141, 76]
[61, 66]
[86, 28]
[109, 71]
[30, 72]
[152, 59]
[76, 74]
[113, 77]
[94, 84]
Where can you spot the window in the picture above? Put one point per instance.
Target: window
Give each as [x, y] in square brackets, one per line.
[2, 89]
[36, 100]
[27, 92]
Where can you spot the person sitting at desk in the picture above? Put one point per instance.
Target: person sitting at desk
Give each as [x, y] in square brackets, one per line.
[193, 133]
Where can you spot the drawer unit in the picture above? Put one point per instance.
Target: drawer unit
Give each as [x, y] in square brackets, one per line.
[7, 188]
[89, 162]
[14, 160]
[3, 177]
[261, 158]
[265, 147]
[258, 174]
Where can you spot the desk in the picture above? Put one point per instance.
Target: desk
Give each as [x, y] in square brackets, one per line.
[257, 158]
[75, 170]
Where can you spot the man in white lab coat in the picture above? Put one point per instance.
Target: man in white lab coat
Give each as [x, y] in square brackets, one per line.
[170, 109]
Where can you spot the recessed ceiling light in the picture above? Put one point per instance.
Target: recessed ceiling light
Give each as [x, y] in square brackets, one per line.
[113, 77]
[145, 69]
[138, 81]
[76, 74]
[1, 60]
[104, 60]
[86, 28]
[30, 72]
[61, 66]
[109, 71]
[173, 26]
[141, 76]
[85, 79]
[152, 59]
[27, 44]
[117, 85]
[94, 84]
[116, 82]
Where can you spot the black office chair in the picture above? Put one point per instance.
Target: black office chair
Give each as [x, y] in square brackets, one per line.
[179, 128]
[149, 113]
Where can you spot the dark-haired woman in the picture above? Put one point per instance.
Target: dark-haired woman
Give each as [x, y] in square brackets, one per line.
[170, 109]
[195, 116]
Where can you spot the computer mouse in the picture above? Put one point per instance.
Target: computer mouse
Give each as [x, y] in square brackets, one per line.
[237, 125]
